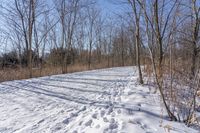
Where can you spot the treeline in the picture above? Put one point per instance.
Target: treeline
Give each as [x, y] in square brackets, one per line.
[40, 33]
[14, 60]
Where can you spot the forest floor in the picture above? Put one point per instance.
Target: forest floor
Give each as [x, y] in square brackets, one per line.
[97, 101]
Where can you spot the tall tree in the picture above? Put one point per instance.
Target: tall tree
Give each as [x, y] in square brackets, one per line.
[159, 22]
[195, 14]
[26, 12]
[137, 13]
[92, 15]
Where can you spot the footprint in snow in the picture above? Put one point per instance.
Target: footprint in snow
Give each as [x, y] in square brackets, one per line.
[66, 121]
[112, 120]
[113, 127]
[94, 116]
[102, 113]
[75, 131]
[57, 127]
[144, 127]
[89, 123]
[113, 114]
[97, 126]
[119, 111]
[105, 119]
[80, 123]
[73, 114]
[110, 110]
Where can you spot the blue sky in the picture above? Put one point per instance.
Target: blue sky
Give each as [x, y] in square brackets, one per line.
[106, 6]
[109, 7]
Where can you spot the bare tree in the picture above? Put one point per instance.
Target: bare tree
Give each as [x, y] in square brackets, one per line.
[159, 25]
[26, 12]
[137, 14]
[68, 17]
[92, 17]
[195, 37]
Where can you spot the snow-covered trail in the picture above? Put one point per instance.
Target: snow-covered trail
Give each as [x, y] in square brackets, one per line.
[98, 101]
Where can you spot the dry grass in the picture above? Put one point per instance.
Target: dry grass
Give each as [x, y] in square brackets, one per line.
[9, 74]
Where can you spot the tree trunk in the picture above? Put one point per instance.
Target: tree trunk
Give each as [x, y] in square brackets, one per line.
[90, 54]
[194, 57]
[138, 54]
[31, 22]
[137, 38]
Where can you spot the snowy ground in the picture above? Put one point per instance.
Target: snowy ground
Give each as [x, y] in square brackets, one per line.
[99, 101]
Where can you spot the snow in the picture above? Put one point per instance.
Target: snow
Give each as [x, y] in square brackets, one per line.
[98, 101]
